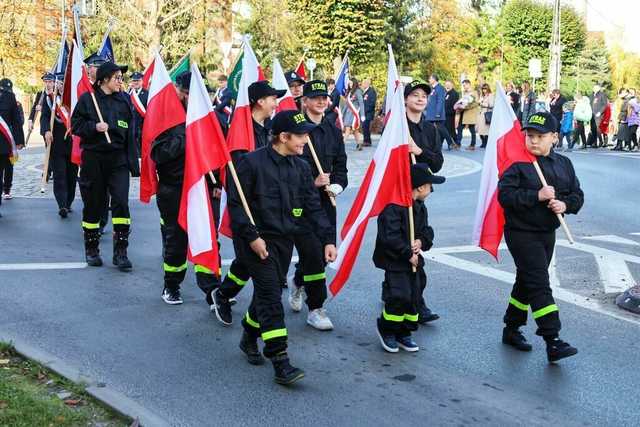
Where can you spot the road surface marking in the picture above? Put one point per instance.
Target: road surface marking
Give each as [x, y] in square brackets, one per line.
[42, 266]
[614, 239]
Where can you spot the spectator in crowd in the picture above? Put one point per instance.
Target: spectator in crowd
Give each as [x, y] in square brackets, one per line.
[467, 113]
[582, 114]
[514, 98]
[487, 101]
[450, 98]
[435, 112]
[599, 103]
[633, 119]
[528, 103]
[369, 97]
[555, 106]
[622, 136]
[566, 125]
[353, 113]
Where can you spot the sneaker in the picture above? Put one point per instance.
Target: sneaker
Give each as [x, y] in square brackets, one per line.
[558, 349]
[7, 196]
[388, 342]
[318, 319]
[425, 315]
[407, 343]
[515, 339]
[285, 374]
[63, 212]
[171, 296]
[222, 308]
[295, 295]
[249, 346]
[232, 301]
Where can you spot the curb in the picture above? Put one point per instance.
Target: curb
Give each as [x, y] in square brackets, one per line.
[103, 393]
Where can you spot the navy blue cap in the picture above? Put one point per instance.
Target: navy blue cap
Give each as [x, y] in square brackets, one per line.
[59, 76]
[315, 88]
[48, 76]
[293, 77]
[291, 121]
[421, 174]
[95, 60]
[136, 75]
[262, 89]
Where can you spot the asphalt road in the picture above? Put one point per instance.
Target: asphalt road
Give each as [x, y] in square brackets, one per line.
[185, 367]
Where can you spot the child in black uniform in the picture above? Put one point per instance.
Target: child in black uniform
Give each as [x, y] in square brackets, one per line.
[530, 211]
[397, 256]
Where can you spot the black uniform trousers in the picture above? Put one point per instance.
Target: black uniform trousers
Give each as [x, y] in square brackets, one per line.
[65, 177]
[402, 291]
[366, 129]
[532, 252]
[310, 270]
[4, 164]
[236, 278]
[175, 242]
[450, 124]
[104, 171]
[265, 316]
[8, 177]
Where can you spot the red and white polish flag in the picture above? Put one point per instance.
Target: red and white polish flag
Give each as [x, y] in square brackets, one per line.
[388, 180]
[164, 111]
[240, 135]
[280, 83]
[205, 150]
[393, 80]
[147, 74]
[76, 83]
[6, 132]
[506, 146]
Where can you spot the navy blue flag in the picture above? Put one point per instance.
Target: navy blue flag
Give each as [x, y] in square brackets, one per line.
[342, 79]
[106, 50]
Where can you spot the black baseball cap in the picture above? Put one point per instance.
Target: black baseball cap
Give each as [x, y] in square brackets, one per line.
[417, 84]
[421, 174]
[315, 88]
[293, 77]
[291, 121]
[262, 89]
[183, 80]
[108, 68]
[6, 85]
[136, 75]
[95, 60]
[59, 76]
[542, 122]
[48, 76]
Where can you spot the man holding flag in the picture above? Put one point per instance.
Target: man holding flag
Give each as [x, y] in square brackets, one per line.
[279, 189]
[531, 218]
[168, 153]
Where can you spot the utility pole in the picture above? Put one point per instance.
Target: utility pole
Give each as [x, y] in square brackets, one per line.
[555, 50]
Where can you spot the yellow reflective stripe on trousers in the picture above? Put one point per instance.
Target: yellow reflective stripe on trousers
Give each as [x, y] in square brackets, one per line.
[411, 317]
[238, 281]
[251, 322]
[276, 333]
[312, 277]
[517, 304]
[174, 269]
[90, 225]
[121, 221]
[392, 317]
[202, 269]
[161, 221]
[545, 310]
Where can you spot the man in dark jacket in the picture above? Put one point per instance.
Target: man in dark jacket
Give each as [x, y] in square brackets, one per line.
[450, 98]
[109, 154]
[139, 97]
[10, 114]
[402, 262]
[555, 106]
[435, 112]
[531, 219]
[65, 172]
[370, 97]
[599, 101]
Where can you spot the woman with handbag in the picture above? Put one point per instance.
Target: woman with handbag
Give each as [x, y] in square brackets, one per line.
[487, 100]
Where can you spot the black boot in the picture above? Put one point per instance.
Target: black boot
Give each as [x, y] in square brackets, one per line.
[514, 338]
[425, 315]
[285, 374]
[249, 346]
[120, 243]
[91, 251]
[558, 349]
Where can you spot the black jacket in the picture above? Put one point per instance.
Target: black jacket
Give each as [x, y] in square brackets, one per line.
[279, 190]
[518, 193]
[450, 99]
[329, 146]
[61, 144]
[393, 249]
[425, 136]
[11, 114]
[167, 151]
[555, 108]
[143, 95]
[370, 97]
[117, 112]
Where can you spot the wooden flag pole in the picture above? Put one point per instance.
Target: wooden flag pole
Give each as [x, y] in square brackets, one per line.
[319, 167]
[213, 179]
[236, 181]
[95, 104]
[563, 223]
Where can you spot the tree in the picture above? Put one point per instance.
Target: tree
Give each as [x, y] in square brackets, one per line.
[527, 26]
[625, 68]
[592, 67]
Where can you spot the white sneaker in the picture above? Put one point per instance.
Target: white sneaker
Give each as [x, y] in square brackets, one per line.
[7, 196]
[296, 295]
[318, 319]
